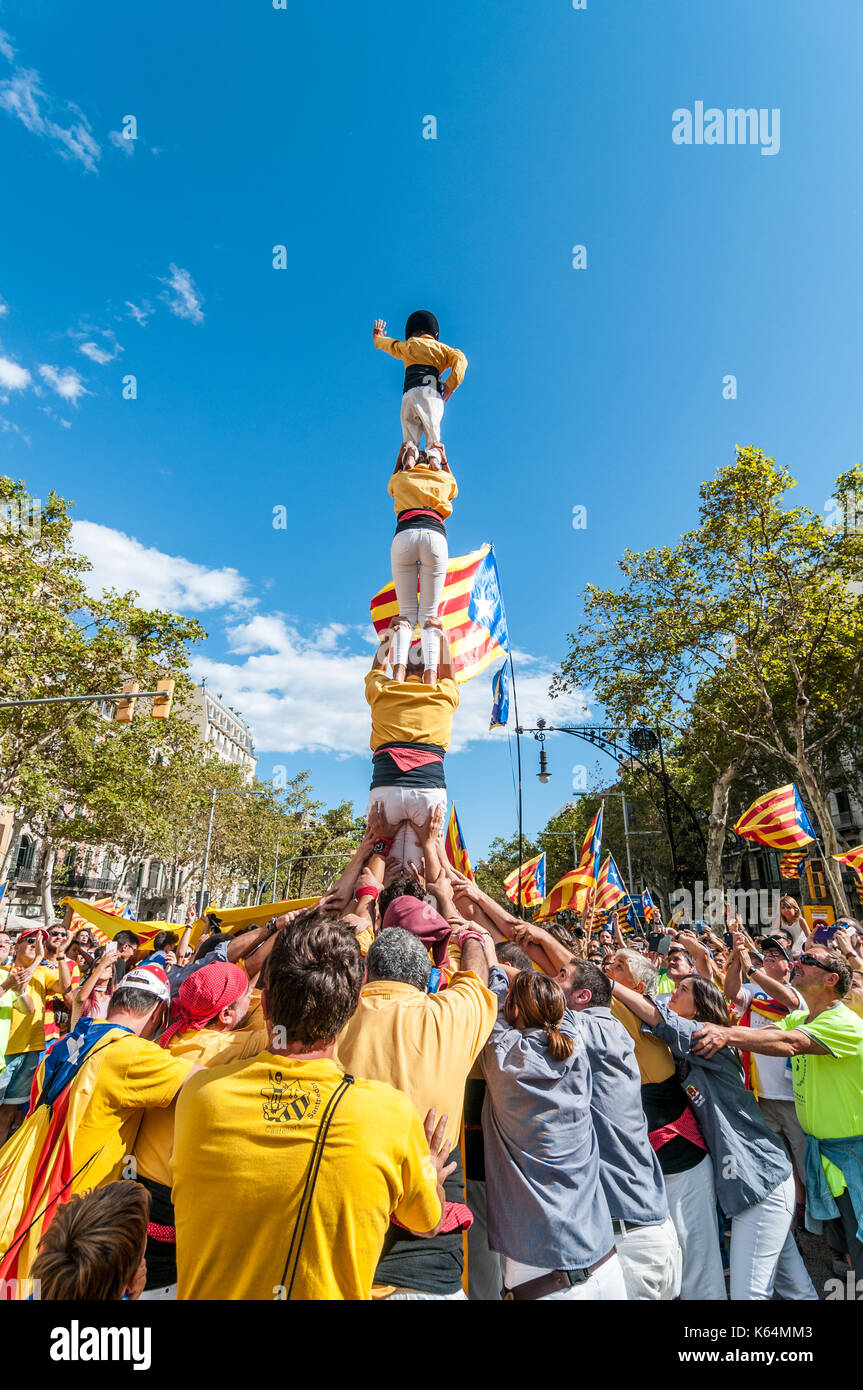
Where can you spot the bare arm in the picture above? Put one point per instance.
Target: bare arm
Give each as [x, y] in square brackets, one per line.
[771, 1042]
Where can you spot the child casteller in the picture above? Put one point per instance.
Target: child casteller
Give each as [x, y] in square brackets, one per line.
[424, 395]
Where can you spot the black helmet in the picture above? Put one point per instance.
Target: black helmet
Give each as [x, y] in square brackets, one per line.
[422, 321]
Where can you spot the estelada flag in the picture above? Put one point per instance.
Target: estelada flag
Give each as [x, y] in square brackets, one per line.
[499, 699]
[852, 857]
[532, 876]
[471, 610]
[456, 849]
[569, 892]
[610, 887]
[591, 851]
[791, 864]
[777, 819]
[648, 907]
[36, 1170]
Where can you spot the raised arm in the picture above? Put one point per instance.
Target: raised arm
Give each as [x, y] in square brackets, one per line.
[636, 1003]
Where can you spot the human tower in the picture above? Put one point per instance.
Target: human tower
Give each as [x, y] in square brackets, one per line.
[412, 708]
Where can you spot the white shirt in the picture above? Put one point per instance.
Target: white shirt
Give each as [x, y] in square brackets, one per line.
[773, 1073]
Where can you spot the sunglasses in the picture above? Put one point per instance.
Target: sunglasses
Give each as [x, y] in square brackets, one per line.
[820, 964]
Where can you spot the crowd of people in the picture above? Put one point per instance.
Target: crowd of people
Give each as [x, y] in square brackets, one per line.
[441, 1099]
[410, 1092]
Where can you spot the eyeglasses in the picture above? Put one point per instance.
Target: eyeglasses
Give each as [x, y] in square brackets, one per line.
[806, 959]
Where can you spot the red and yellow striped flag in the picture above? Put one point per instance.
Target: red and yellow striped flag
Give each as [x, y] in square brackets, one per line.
[610, 887]
[570, 893]
[790, 865]
[532, 876]
[471, 609]
[777, 819]
[853, 858]
[456, 849]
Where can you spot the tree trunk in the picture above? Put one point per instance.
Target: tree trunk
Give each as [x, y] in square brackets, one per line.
[829, 838]
[716, 833]
[45, 884]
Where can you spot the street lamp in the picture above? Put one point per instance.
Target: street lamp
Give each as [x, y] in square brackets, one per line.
[227, 791]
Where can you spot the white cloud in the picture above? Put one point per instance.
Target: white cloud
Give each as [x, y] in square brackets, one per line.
[97, 352]
[139, 315]
[163, 581]
[301, 690]
[6, 46]
[185, 300]
[305, 692]
[67, 383]
[121, 142]
[9, 427]
[13, 377]
[23, 97]
[4, 308]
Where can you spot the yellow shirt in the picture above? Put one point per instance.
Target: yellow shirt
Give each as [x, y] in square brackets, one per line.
[433, 490]
[654, 1059]
[208, 1047]
[410, 712]
[242, 1144]
[425, 1044]
[426, 349]
[133, 1075]
[27, 1033]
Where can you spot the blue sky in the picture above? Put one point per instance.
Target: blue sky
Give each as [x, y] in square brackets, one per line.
[256, 387]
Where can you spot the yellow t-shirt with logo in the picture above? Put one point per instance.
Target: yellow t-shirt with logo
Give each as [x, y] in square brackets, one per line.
[429, 489]
[27, 1033]
[243, 1138]
[206, 1047]
[410, 712]
[133, 1075]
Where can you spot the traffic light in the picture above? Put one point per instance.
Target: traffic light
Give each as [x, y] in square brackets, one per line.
[125, 711]
[815, 879]
[162, 703]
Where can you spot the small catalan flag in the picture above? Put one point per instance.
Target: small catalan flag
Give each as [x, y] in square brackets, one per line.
[532, 876]
[456, 849]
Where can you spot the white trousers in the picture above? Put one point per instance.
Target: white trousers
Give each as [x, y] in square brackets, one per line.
[422, 414]
[412, 805]
[426, 551]
[764, 1252]
[692, 1207]
[605, 1285]
[651, 1260]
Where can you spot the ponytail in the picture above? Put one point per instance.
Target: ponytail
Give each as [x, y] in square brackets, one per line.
[559, 1045]
[535, 1001]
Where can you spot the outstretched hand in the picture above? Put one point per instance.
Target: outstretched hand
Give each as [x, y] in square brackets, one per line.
[439, 1149]
[379, 329]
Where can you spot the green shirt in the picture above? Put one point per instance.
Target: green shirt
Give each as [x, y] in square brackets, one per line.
[828, 1088]
[8, 1000]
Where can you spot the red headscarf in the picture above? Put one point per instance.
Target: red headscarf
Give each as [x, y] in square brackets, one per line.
[203, 995]
[421, 920]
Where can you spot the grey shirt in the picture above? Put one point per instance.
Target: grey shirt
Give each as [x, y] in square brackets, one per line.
[546, 1206]
[749, 1160]
[628, 1167]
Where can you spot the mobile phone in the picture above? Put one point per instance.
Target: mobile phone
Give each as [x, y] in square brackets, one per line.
[658, 942]
[824, 934]
[728, 939]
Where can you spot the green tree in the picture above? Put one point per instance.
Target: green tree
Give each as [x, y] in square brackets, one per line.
[750, 626]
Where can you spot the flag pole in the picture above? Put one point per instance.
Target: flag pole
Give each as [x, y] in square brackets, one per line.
[517, 733]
